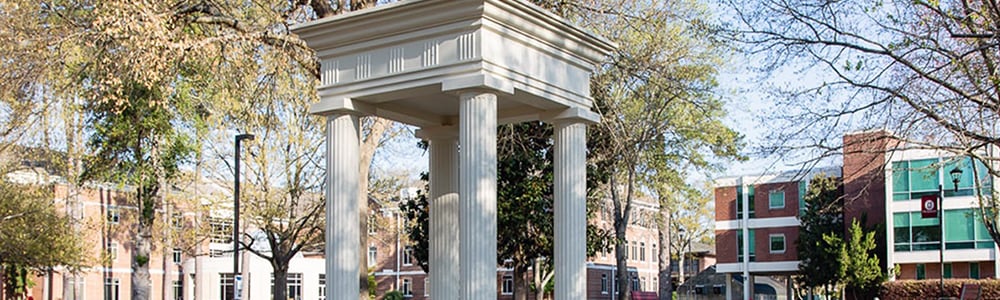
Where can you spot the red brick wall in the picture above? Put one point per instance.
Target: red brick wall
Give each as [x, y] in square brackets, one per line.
[864, 184]
[762, 200]
[725, 246]
[725, 203]
[763, 244]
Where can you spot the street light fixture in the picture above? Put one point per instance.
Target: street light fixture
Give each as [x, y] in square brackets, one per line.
[956, 175]
[236, 214]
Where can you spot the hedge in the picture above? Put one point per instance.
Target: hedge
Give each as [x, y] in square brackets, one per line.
[928, 289]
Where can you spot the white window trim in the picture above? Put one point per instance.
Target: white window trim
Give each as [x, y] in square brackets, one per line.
[113, 250]
[604, 284]
[784, 243]
[782, 199]
[427, 286]
[407, 287]
[407, 256]
[502, 285]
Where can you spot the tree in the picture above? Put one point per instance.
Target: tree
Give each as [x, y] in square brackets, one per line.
[924, 70]
[859, 270]
[689, 224]
[35, 236]
[660, 118]
[822, 222]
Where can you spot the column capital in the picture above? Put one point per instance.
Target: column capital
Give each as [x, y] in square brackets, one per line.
[478, 82]
[341, 106]
[437, 132]
[571, 115]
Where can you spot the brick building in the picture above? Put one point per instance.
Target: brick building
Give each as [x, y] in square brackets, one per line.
[883, 181]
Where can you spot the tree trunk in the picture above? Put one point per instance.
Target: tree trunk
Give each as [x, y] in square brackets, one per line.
[375, 131]
[665, 285]
[624, 288]
[140, 262]
[521, 287]
[280, 288]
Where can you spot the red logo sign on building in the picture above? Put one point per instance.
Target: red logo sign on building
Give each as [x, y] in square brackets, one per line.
[929, 206]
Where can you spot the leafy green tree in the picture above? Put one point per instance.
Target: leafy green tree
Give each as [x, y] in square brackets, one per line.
[822, 220]
[859, 271]
[34, 236]
[660, 116]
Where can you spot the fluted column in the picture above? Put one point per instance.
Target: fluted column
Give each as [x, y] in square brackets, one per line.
[570, 189]
[444, 240]
[478, 195]
[342, 194]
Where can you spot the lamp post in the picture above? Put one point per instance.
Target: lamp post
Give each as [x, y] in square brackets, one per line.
[236, 213]
[955, 174]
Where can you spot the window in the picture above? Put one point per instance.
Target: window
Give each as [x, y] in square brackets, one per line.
[635, 283]
[654, 249]
[947, 270]
[113, 250]
[921, 271]
[802, 197]
[322, 286]
[964, 230]
[739, 201]
[407, 288]
[408, 256]
[226, 286]
[178, 290]
[293, 286]
[427, 286]
[372, 255]
[916, 178]
[777, 243]
[642, 251]
[222, 230]
[635, 249]
[642, 284]
[111, 288]
[776, 199]
[739, 245]
[372, 225]
[177, 220]
[508, 285]
[974, 270]
[177, 255]
[914, 233]
[114, 214]
[73, 287]
[604, 283]
[216, 253]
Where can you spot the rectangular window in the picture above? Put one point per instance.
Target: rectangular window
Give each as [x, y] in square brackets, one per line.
[635, 251]
[226, 286]
[177, 255]
[111, 288]
[178, 290]
[915, 233]
[739, 246]
[739, 201]
[222, 230]
[113, 250]
[408, 256]
[921, 271]
[293, 286]
[777, 243]
[407, 288]
[176, 220]
[322, 286]
[508, 285]
[73, 287]
[114, 214]
[372, 255]
[642, 251]
[372, 225]
[947, 270]
[776, 199]
[604, 283]
[974, 270]
[653, 249]
[802, 197]
[427, 286]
